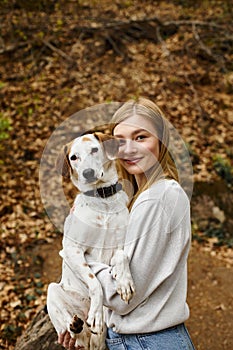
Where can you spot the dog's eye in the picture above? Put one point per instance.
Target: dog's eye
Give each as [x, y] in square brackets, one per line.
[73, 157]
[94, 150]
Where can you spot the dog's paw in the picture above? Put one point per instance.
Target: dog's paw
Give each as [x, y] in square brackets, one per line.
[125, 288]
[76, 325]
[95, 322]
[121, 273]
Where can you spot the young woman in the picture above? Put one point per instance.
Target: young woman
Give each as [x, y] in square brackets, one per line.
[157, 241]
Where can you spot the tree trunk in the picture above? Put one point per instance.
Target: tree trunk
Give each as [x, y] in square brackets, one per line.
[40, 335]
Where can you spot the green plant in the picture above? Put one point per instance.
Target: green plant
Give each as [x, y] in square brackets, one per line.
[10, 333]
[220, 232]
[223, 168]
[5, 127]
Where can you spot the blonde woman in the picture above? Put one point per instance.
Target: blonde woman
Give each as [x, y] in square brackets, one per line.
[158, 238]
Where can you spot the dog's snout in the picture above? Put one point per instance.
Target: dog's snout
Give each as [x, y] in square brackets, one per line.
[89, 173]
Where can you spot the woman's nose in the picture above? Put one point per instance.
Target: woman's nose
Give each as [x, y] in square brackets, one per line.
[129, 147]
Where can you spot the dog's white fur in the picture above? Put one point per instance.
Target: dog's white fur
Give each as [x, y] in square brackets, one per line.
[94, 231]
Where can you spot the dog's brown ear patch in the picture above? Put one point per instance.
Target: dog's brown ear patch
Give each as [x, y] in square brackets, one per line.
[86, 138]
[110, 144]
[63, 163]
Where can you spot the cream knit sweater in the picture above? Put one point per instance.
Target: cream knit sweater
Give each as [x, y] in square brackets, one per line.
[157, 245]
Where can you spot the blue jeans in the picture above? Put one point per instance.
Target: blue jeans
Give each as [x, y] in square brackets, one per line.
[174, 338]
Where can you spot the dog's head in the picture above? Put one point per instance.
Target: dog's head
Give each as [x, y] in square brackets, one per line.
[88, 160]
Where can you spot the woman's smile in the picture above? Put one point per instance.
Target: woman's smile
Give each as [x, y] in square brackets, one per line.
[132, 160]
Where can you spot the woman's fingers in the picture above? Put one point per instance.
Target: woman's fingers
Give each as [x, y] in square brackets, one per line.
[61, 338]
[72, 344]
[68, 342]
[64, 339]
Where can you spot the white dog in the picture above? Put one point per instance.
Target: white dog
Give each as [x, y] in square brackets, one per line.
[93, 231]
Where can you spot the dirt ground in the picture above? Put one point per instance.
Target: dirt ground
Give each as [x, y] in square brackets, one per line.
[209, 294]
[210, 300]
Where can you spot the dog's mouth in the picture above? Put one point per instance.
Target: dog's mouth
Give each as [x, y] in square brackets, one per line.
[92, 180]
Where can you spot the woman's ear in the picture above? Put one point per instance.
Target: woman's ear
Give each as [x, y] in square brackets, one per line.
[110, 144]
[62, 163]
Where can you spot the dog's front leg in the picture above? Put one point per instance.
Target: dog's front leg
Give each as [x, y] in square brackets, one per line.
[121, 273]
[75, 259]
[98, 342]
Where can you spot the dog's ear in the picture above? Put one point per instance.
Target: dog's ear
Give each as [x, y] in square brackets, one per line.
[110, 144]
[63, 163]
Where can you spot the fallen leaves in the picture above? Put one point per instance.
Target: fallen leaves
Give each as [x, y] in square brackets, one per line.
[50, 70]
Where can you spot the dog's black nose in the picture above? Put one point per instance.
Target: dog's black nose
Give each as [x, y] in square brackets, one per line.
[89, 173]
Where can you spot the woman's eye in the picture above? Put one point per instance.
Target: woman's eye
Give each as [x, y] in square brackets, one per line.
[73, 157]
[94, 150]
[140, 137]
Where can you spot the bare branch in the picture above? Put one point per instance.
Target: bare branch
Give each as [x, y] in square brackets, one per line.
[114, 24]
[197, 23]
[205, 48]
[201, 44]
[58, 51]
[165, 50]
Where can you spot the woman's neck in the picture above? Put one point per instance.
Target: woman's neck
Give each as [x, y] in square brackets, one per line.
[140, 180]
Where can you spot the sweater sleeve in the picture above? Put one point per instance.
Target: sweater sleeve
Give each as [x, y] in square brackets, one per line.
[157, 244]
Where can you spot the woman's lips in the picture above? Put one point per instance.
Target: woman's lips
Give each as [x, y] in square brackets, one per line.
[132, 160]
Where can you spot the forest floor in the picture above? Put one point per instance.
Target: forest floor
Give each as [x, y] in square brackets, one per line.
[57, 58]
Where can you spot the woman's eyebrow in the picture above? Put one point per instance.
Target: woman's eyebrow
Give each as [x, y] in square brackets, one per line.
[135, 132]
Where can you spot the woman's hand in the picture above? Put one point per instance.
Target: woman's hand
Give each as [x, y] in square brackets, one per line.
[68, 342]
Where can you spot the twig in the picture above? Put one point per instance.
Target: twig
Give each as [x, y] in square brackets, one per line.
[99, 25]
[195, 94]
[115, 24]
[190, 23]
[58, 51]
[115, 47]
[12, 48]
[205, 48]
[166, 52]
[198, 39]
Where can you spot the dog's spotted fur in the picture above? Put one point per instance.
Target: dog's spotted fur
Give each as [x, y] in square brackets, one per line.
[76, 303]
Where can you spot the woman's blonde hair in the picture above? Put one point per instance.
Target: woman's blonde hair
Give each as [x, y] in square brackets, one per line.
[165, 167]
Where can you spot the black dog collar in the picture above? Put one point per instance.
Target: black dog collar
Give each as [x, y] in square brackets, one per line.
[104, 192]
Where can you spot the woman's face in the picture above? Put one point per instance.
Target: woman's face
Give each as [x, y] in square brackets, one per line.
[139, 146]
